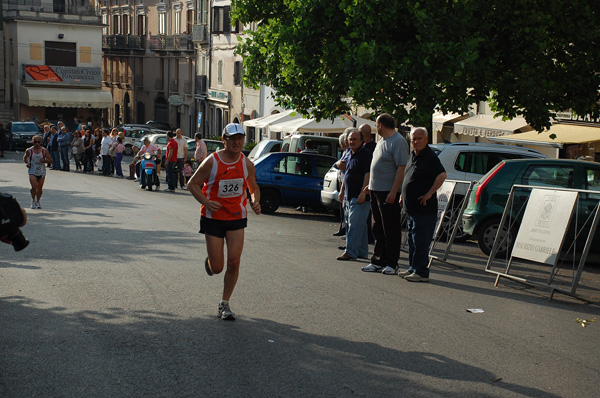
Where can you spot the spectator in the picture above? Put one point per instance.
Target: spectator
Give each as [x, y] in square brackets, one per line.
[182, 154]
[310, 147]
[147, 147]
[365, 130]
[201, 150]
[386, 175]
[77, 150]
[106, 144]
[354, 197]
[423, 176]
[88, 152]
[53, 147]
[341, 165]
[171, 160]
[119, 157]
[64, 145]
[187, 170]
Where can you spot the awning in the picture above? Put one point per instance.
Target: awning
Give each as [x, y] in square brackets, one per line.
[439, 119]
[265, 121]
[65, 97]
[488, 126]
[565, 134]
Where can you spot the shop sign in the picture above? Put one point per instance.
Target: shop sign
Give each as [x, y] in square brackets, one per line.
[573, 117]
[175, 100]
[63, 74]
[218, 95]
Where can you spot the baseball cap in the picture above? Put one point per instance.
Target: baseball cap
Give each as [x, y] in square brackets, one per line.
[233, 128]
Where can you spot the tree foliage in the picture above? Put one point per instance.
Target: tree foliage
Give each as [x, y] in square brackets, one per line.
[528, 57]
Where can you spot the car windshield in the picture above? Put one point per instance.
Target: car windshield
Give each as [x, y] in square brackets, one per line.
[24, 127]
[256, 149]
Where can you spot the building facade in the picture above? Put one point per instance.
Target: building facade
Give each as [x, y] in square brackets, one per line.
[53, 60]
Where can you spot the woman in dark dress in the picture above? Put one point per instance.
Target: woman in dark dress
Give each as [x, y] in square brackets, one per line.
[88, 152]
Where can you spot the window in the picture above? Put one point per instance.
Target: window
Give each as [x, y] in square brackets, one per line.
[222, 21]
[60, 53]
[141, 25]
[552, 176]
[481, 162]
[162, 23]
[593, 179]
[189, 21]
[323, 166]
[237, 73]
[177, 23]
[296, 165]
[220, 72]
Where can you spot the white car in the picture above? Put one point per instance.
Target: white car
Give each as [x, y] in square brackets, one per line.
[263, 148]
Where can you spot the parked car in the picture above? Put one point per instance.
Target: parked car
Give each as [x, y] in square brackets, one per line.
[291, 179]
[467, 162]
[211, 146]
[329, 146]
[159, 125]
[488, 199]
[21, 134]
[134, 132]
[264, 147]
[331, 189]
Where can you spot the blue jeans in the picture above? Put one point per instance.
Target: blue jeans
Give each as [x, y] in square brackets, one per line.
[64, 157]
[171, 175]
[421, 228]
[118, 164]
[55, 159]
[357, 239]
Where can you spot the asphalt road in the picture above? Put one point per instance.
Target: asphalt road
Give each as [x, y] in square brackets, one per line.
[110, 299]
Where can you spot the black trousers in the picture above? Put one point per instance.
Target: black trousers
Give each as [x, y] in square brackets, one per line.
[386, 229]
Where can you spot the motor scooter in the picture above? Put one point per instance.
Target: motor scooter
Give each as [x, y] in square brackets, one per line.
[149, 177]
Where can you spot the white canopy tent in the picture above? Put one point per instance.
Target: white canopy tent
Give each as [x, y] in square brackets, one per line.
[337, 125]
[266, 121]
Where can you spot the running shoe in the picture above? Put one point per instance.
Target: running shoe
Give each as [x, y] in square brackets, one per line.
[38, 205]
[33, 204]
[225, 312]
[372, 268]
[389, 270]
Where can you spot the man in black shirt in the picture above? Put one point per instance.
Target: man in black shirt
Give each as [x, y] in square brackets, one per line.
[423, 176]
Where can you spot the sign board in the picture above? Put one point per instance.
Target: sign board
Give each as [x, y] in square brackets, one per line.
[218, 95]
[444, 194]
[63, 74]
[199, 119]
[544, 225]
[175, 100]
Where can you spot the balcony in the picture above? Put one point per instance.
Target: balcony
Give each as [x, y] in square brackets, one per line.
[124, 42]
[171, 43]
[201, 84]
[200, 34]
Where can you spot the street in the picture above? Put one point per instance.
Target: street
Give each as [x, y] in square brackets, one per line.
[111, 299]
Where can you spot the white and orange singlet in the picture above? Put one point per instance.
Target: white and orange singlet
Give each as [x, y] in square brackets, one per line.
[227, 185]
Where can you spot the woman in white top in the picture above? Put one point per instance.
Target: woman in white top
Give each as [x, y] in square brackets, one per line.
[36, 158]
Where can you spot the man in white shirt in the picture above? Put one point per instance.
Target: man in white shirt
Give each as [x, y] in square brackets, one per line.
[182, 154]
[106, 144]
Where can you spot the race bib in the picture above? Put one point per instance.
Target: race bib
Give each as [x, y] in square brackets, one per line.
[231, 188]
[38, 169]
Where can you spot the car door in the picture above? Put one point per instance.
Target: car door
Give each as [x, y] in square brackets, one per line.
[296, 178]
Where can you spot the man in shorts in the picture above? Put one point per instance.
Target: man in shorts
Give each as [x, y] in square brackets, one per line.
[36, 158]
[220, 185]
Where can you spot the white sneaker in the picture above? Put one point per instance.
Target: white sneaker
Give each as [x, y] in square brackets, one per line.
[33, 204]
[372, 268]
[389, 271]
[38, 205]
[184, 187]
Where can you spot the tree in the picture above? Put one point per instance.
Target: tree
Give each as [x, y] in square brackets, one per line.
[527, 57]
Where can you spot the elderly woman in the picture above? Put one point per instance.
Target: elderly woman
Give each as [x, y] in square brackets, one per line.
[77, 150]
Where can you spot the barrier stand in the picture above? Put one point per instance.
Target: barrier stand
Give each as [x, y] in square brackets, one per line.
[541, 218]
[453, 214]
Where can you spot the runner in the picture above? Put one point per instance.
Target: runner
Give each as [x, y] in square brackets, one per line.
[220, 185]
[36, 158]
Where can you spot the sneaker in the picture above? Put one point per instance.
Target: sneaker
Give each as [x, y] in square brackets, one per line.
[414, 277]
[38, 205]
[207, 267]
[402, 274]
[372, 268]
[389, 271]
[225, 312]
[33, 204]
[184, 187]
[169, 190]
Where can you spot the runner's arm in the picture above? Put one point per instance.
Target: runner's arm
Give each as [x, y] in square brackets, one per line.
[253, 187]
[196, 183]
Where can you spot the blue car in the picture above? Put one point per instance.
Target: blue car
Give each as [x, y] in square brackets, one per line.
[291, 179]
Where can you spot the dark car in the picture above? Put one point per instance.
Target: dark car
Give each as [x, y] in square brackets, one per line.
[159, 125]
[291, 179]
[21, 134]
[490, 194]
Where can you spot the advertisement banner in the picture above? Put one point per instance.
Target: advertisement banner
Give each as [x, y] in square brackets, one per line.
[544, 225]
[444, 194]
[63, 74]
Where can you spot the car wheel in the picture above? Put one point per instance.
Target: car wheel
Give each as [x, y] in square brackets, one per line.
[448, 223]
[269, 202]
[487, 237]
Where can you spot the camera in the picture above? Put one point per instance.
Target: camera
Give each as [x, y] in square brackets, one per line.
[11, 218]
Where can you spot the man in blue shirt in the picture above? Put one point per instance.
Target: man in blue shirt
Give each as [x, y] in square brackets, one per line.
[64, 143]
